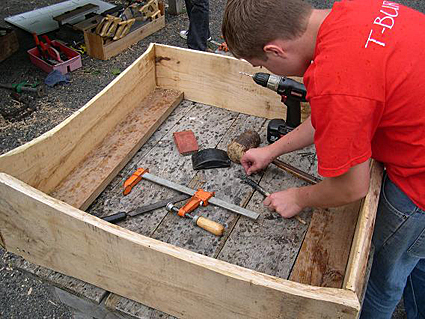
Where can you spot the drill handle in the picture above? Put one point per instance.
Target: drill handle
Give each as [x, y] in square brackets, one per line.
[293, 111]
[292, 89]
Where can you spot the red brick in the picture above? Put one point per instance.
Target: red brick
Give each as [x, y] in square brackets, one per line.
[186, 142]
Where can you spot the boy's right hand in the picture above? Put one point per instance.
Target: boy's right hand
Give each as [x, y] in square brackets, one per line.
[256, 159]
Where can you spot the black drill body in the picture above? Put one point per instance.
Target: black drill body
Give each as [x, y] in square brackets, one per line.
[292, 93]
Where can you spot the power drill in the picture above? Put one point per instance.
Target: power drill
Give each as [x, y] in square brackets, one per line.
[292, 93]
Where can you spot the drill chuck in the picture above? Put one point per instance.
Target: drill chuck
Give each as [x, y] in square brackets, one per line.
[282, 85]
[270, 81]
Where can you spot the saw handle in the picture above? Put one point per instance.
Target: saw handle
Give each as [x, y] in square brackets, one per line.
[209, 225]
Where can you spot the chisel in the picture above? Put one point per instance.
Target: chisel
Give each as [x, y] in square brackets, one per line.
[117, 217]
[265, 193]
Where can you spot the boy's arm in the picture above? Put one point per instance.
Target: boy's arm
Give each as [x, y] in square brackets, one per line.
[258, 158]
[331, 192]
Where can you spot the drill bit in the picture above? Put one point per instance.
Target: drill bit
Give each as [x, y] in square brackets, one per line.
[244, 73]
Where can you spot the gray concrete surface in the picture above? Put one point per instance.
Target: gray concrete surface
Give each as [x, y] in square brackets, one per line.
[21, 295]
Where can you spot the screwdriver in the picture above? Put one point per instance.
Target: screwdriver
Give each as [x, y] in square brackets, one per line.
[265, 193]
[202, 222]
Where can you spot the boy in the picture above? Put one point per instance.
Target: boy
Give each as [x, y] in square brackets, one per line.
[363, 64]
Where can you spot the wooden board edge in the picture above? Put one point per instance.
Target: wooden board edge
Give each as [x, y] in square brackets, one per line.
[58, 236]
[361, 244]
[324, 254]
[2, 244]
[128, 157]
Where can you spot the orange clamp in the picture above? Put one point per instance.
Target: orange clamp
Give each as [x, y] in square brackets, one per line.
[133, 180]
[199, 197]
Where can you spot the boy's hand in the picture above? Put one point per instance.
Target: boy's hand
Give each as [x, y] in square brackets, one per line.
[255, 159]
[284, 203]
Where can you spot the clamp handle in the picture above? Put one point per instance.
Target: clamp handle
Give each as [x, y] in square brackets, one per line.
[200, 197]
[202, 222]
[134, 179]
[209, 225]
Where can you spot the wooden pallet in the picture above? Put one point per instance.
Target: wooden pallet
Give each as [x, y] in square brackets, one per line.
[151, 260]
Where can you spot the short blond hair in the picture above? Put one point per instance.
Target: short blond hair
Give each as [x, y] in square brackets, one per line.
[248, 25]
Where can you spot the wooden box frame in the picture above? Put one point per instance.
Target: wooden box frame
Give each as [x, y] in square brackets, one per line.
[96, 47]
[51, 233]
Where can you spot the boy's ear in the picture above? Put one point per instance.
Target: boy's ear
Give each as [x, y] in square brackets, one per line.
[274, 49]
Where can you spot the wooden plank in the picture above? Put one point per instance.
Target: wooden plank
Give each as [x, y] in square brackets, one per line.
[94, 45]
[175, 7]
[181, 283]
[85, 183]
[359, 255]
[40, 164]
[8, 43]
[78, 12]
[88, 24]
[323, 257]
[133, 309]
[219, 82]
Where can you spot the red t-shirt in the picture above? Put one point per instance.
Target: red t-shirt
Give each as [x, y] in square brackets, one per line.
[366, 88]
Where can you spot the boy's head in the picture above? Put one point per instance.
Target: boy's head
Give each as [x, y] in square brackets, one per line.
[248, 25]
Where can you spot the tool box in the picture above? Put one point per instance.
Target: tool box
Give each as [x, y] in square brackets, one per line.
[73, 62]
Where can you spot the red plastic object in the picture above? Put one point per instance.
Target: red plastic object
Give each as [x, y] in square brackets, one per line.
[73, 62]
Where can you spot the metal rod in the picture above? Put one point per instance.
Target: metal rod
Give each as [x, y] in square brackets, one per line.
[214, 201]
[297, 172]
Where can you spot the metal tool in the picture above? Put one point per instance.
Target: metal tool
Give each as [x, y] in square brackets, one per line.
[143, 173]
[202, 222]
[40, 90]
[115, 218]
[265, 193]
[296, 172]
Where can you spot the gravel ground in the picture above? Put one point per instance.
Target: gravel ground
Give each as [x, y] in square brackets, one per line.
[21, 295]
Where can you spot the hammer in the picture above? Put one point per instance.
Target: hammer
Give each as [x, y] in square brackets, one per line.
[250, 139]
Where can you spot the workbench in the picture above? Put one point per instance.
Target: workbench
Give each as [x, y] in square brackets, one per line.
[266, 268]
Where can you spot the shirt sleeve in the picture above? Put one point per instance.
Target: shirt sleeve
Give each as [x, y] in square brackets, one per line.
[344, 127]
